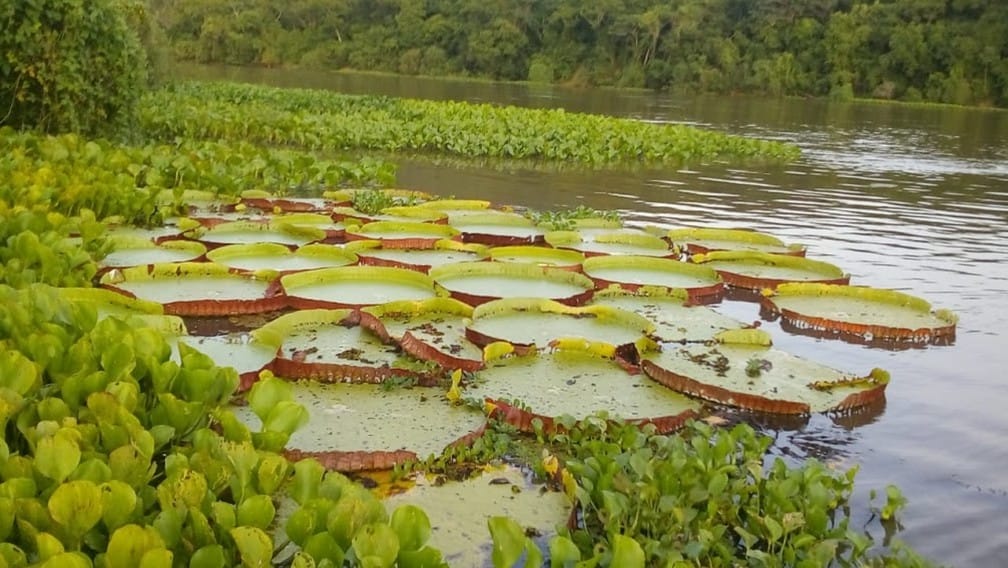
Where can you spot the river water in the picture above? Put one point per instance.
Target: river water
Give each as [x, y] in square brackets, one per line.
[909, 198]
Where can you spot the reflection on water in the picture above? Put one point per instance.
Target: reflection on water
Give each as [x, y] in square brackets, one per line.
[910, 198]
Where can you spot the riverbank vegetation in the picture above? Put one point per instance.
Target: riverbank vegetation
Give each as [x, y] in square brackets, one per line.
[951, 52]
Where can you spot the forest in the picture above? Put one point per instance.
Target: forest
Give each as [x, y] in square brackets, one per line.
[948, 51]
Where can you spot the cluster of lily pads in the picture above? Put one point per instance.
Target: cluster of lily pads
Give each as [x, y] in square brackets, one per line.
[535, 323]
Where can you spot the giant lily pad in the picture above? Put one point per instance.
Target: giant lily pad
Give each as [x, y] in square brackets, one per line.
[859, 313]
[155, 234]
[269, 202]
[329, 345]
[355, 286]
[530, 323]
[633, 272]
[675, 320]
[703, 240]
[241, 232]
[431, 330]
[759, 270]
[478, 282]
[277, 257]
[460, 533]
[443, 252]
[612, 243]
[391, 214]
[238, 351]
[761, 378]
[498, 230]
[406, 235]
[334, 230]
[138, 251]
[368, 427]
[197, 289]
[579, 384]
[542, 256]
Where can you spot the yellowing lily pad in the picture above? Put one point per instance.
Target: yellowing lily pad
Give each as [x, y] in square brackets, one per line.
[242, 232]
[475, 283]
[863, 313]
[760, 378]
[444, 251]
[633, 272]
[401, 234]
[279, 258]
[759, 270]
[704, 240]
[355, 286]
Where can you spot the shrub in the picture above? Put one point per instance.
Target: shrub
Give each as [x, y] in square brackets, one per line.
[69, 65]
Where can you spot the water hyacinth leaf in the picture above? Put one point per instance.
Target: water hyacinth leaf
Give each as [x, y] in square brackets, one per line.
[76, 506]
[759, 270]
[377, 541]
[307, 477]
[475, 283]
[856, 311]
[426, 557]
[210, 556]
[119, 503]
[626, 552]
[353, 511]
[266, 394]
[68, 560]
[411, 526]
[286, 417]
[254, 546]
[19, 373]
[128, 545]
[7, 516]
[58, 455]
[563, 552]
[322, 547]
[238, 351]
[272, 473]
[256, 511]
[508, 541]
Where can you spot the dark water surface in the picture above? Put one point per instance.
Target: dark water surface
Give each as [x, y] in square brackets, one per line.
[910, 198]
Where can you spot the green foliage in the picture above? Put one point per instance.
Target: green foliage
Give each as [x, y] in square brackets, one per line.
[69, 65]
[564, 219]
[332, 122]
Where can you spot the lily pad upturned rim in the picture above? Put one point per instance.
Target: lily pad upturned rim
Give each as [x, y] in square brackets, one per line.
[566, 259]
[540, 305]
[452, 204]
[402, 213]
[274, 333]
[685, 237]
[113, 298]
[831, 274]
[706, 293]
[524, 420]
[267, 201]
[436, 231]
[197, 249]
[273, 298]
[460, 270]
[860, 329]
[222, 254]
[372, 317]
[290, 282]
[571, 240]
[361, 248]
[477, 233]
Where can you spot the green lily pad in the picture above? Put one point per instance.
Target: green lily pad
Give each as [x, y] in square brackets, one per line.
[674, 320]
[498, 230]
[760, 378]
[432, 330]
[355, 286]
[460, 532]
[269, 202]
[444, 251]
[579, 384]
[137, 251]
[154, 234]
[537, 323]
[243, 232]
[542, 256]
[759, 270]
[370, 418]
[612, 243]
[703, 240]
[196, 289]
[277, 257]
[401, 234]
[475, 283]
[863, 312]
[634, 272]
[110, 303]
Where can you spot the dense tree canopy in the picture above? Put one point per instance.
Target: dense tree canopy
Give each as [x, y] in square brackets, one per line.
[938, 50]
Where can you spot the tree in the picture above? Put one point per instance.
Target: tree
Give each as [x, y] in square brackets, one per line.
[69, 65]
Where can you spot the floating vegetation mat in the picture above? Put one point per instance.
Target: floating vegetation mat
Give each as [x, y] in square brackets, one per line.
[475, 283]
[703, 240]
[279, 258]
[859, 313]
[759, 270]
